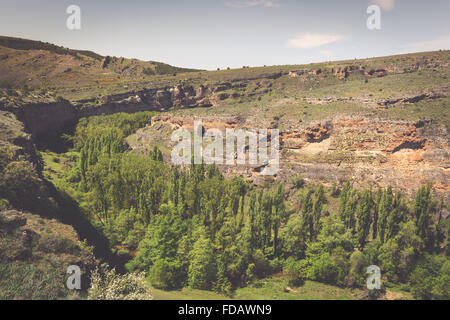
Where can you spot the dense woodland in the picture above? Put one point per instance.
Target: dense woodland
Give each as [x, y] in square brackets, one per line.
[191, 227]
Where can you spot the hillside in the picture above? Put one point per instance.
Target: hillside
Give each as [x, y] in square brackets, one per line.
[364, 176]
[40, 65]
[397, 107]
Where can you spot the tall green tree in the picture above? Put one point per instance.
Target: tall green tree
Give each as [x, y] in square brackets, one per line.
[364, 217]
[202, 267]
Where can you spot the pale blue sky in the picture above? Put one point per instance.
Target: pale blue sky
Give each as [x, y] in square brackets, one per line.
[219, 33]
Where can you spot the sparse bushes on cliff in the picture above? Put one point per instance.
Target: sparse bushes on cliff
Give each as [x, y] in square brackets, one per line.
[298, 181]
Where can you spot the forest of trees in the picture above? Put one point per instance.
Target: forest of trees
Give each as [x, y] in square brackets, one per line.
[192, 227]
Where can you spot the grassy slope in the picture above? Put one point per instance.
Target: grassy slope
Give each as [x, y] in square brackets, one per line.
[274, 289]
[41, 276]
[38, 64]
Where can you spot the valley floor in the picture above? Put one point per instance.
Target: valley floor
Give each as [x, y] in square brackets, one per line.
[274, 289]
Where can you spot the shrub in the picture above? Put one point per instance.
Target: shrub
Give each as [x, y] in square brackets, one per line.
[108, 285]
[262, 264]
[161, 275]
[20, 182]
[298, 181]
[323, 269]
[295, 271]
[57, 244]
[430, 280]
[276, 265]
[4, 205]
[202, 268]
[358, 264]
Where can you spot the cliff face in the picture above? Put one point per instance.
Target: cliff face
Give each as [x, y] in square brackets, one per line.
[50, 119]
[372, 152]
[47, 121]
[368, 152]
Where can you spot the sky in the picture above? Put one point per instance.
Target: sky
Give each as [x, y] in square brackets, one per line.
[211, 34]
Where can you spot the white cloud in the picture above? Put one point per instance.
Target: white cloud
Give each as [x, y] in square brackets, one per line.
[326, 54]
[442, 42]
[387, 5]
[252, 3]
[312, 40]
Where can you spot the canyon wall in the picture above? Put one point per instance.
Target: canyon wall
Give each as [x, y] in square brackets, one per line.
[367, 152]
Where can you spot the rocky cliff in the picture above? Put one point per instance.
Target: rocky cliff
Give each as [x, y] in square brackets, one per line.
[368, 152]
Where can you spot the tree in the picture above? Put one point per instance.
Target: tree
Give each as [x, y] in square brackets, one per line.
[334, 234]
[377, 203]
[423, 208]
[396, 218]
[358, 267]
[265, 219]
[279, 213]
[347, 207]
[384, 211]
[317, 207]
[202, 268]
[295, 271]
[162, 275]
[441, 228]
[430, 278]
[343, 200]
[398, 254]
[292, 239]
[364, 217]
[307, 217]
[20, 184]
[323, 269]
[261, 264]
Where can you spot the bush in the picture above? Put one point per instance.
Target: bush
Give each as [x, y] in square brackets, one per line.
[323, 269]
[358, 265]
[298, 182]
[295, 271]
[430, 280]
[57, 244]
[202, 267]
[4, 205]
[20, 182]
[276, 265]
[262, 265]
[162, 275]
[108, 285]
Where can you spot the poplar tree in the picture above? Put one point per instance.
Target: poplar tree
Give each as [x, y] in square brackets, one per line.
[364, 217]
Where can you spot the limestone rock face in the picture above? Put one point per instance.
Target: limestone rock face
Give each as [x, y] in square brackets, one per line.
[368, 152]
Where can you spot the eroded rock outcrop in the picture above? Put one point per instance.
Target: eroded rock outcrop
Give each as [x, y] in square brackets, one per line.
[368, 152]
